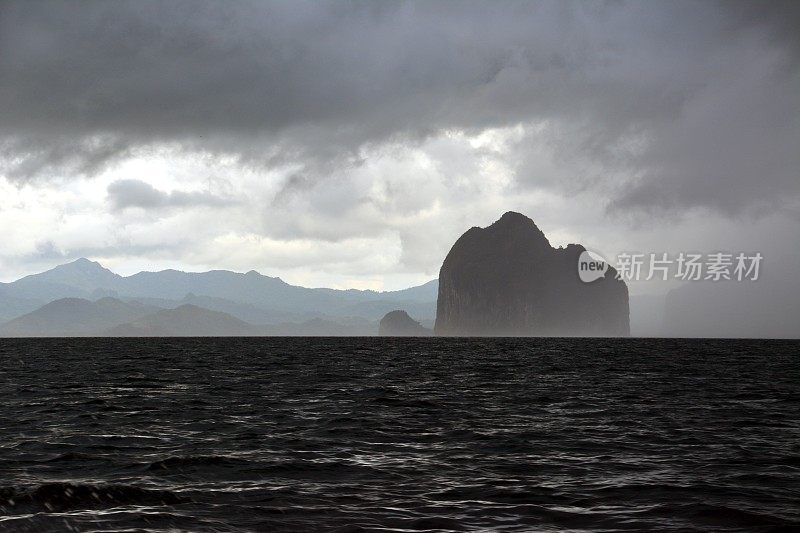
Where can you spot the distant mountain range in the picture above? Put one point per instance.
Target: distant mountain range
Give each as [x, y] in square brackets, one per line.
[84, 298]
[75, 316]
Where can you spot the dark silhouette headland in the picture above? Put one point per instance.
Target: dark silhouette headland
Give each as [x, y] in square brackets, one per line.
[506, 279]
[399, 324]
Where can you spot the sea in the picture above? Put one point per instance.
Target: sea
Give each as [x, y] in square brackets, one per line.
[399, 434]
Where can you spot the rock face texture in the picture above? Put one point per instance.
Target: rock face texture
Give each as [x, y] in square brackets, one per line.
[399, 324]
[506, 279]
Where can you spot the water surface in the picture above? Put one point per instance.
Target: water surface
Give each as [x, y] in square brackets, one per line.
[316, 434]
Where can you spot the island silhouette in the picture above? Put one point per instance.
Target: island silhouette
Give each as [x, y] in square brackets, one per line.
[506, 279]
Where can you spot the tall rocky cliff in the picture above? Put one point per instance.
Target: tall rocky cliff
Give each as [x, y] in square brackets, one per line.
[506, 279]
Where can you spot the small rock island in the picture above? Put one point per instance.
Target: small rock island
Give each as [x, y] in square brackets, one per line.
[506, 279]
[399, 324]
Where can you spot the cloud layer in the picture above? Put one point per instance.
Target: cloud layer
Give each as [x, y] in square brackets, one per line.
[136, 193]
[396, 122]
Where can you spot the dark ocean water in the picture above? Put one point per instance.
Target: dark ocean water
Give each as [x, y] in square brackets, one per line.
[399, 434]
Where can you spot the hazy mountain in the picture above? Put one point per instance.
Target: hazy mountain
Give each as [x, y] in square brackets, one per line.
[425, 292]
[12, 306]
[257, 297]
[262, 291]
[191, 320]
[186, 320]
[70, 317]
[77, 279]
[74, 317]
[243, 311]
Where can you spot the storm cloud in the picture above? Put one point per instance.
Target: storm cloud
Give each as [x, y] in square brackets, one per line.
[670, 104]
[351, 143]
[135, 193]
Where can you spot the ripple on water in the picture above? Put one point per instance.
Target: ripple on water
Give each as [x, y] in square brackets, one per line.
[365, 434]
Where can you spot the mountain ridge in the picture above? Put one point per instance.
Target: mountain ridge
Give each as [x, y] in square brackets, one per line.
[88, 279]
[70, 317]
[187, 320]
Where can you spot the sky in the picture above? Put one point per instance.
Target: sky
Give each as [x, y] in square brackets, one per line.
[349, 144]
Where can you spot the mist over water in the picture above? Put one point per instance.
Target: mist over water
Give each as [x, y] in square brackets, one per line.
[400, 434]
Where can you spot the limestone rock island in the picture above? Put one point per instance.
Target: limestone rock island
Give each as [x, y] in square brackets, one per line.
[506, 279]
[399, 324]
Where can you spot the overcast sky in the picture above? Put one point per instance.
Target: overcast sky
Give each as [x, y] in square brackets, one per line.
[348, 144]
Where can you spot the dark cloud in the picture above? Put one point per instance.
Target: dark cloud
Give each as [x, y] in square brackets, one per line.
[135, 193]
[48, 154]
[684, 103]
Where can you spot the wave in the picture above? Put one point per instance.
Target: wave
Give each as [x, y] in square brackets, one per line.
[194, 461]
[68, 496]
[719, 515]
